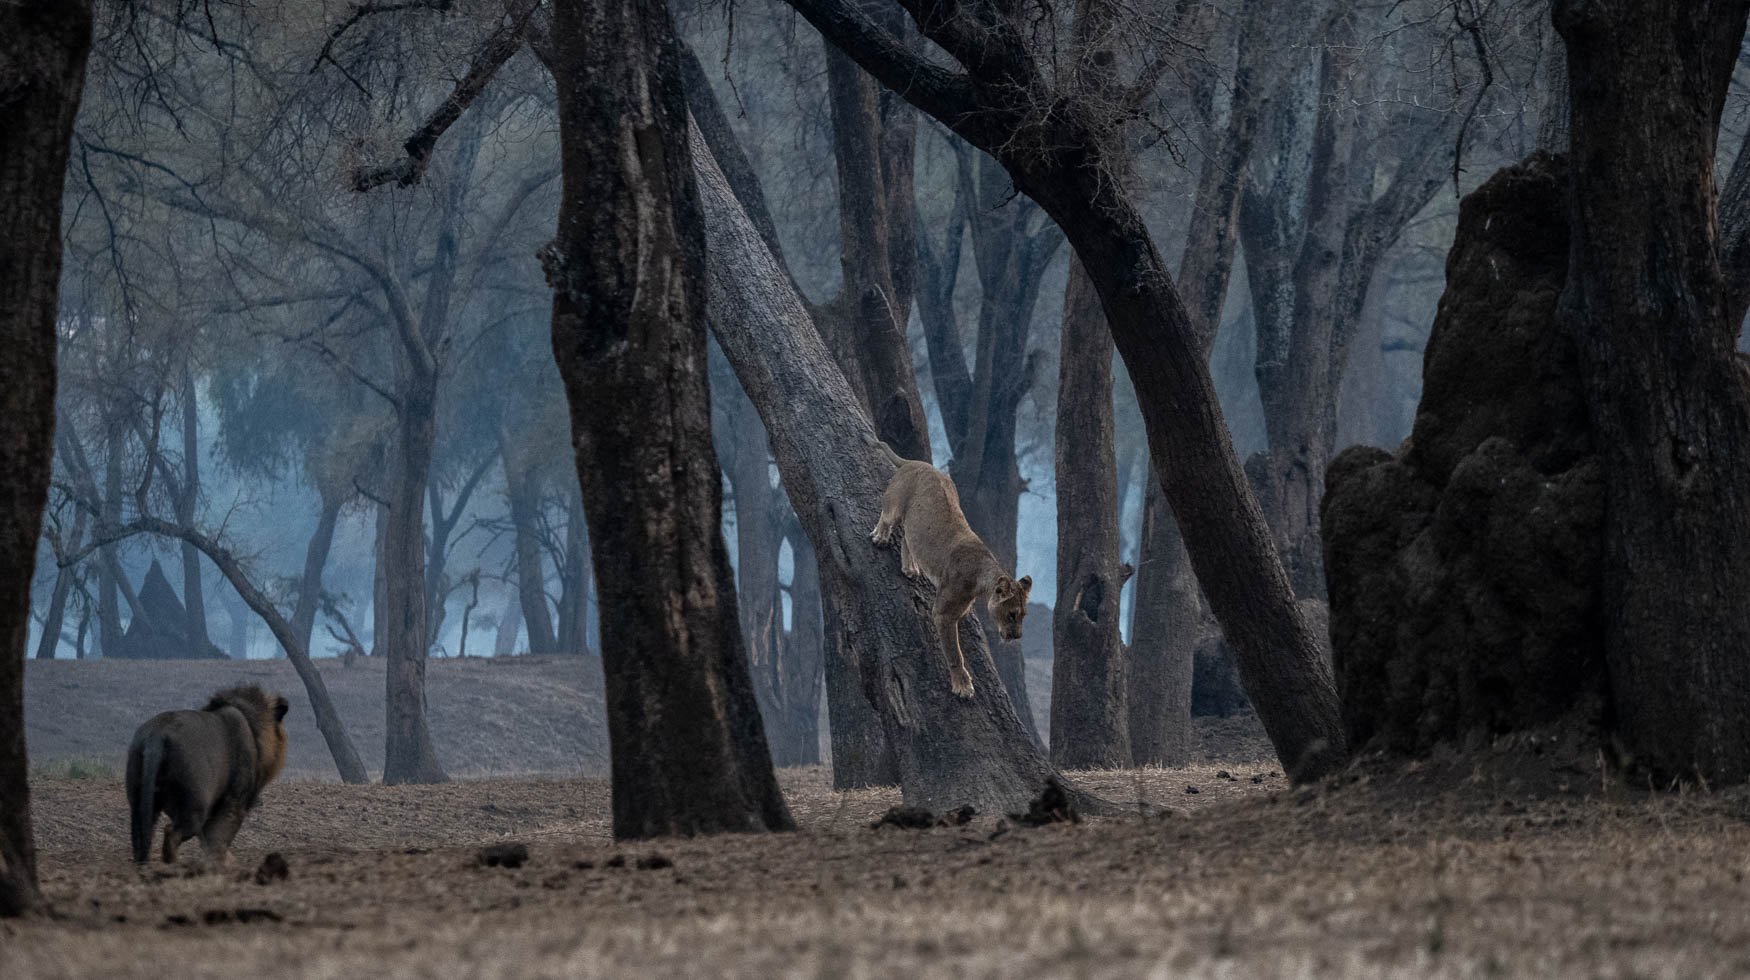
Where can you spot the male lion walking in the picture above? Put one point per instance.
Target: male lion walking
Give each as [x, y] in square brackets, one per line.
[204, 769]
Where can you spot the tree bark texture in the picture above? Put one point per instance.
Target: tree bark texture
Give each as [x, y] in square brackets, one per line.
[627, 268]
[1090, 724]
[1646, 302]
[949, 751]
[860, 754]
[42, 70]
[1060, 160]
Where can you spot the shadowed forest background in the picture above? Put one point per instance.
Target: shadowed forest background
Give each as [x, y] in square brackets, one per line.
[1357, 384]
[229, 350]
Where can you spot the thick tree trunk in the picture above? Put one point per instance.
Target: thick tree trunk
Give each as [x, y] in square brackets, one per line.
[949, 751]
[627, 269]
[42, 68]
[1090, 725]
[860, 754]
[524, 496]
[1646, 303]
[408, 755]
[1168, 602]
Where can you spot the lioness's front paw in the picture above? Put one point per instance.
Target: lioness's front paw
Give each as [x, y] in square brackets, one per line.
[961, 682]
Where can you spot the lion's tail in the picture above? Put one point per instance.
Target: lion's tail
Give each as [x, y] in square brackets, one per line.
[882, 447]
[144, 761]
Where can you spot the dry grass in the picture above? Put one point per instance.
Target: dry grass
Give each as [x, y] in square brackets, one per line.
[1381, 877]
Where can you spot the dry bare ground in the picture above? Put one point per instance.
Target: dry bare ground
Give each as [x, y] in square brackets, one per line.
[1384, 876]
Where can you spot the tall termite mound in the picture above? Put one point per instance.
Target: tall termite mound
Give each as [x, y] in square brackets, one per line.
[1464, 569]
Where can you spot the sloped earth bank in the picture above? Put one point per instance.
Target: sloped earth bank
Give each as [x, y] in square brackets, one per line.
[488, 715]
[1442, 869]
[492, 716]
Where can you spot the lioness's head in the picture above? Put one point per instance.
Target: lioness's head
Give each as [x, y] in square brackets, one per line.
[1008, 605]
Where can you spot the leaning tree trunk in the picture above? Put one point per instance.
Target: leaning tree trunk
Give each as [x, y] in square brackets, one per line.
[627, 268]
[1646, 303]
[1167, 601]
[949, 751]
[1090, 724]
[860, 754]
[346, 757]
[42, 67]
[408, 756]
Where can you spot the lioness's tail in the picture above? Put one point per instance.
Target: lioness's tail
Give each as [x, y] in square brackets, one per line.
[144, 760]
[882, 447]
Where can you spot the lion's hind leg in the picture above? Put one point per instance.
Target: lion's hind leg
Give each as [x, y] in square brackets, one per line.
[220, 830]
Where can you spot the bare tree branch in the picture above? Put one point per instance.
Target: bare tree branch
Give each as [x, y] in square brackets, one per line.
[491, 56]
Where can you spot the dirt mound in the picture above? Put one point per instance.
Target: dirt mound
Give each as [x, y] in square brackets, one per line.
[488, 716]
[1464, 569]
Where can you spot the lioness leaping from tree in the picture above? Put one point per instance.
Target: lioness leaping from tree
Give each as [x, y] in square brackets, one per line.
[939, 545]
